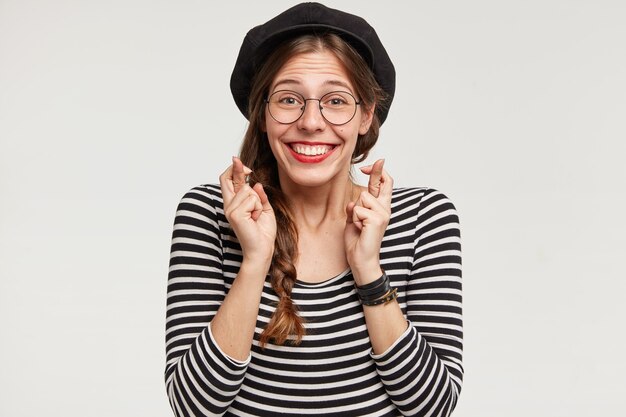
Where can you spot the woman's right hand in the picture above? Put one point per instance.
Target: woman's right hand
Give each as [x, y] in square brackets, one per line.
[249, 213]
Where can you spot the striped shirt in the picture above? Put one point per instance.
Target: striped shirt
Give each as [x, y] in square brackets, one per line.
[333, 371]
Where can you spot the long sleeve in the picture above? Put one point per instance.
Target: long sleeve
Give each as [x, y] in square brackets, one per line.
[422, 372]
[200, 379]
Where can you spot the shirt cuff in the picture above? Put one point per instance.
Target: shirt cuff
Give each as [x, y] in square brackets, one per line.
[237, 363]
[407, 334]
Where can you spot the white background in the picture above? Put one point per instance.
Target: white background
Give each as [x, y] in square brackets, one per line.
[111, 110]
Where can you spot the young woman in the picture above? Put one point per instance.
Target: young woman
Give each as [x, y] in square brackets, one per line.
[292, 289]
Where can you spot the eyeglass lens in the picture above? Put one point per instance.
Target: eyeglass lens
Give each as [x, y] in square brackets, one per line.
[337, 107]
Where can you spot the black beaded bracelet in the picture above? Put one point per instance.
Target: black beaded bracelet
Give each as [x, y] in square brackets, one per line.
[374, 292]
[373, 284]
[379, 289]
[390, 296]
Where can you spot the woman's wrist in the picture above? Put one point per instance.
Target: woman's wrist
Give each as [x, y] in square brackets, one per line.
[256, 265]
[366, 274]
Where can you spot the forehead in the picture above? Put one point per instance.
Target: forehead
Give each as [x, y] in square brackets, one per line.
[311, 71]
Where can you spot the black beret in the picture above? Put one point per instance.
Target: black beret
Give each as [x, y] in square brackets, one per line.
[311, 18]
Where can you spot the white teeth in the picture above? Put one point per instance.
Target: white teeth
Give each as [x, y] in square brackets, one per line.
[311, 150]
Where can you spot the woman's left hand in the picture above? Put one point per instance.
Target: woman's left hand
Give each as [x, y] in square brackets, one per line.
[366, 222]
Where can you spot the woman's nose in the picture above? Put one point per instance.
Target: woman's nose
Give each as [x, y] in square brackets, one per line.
[312, 118]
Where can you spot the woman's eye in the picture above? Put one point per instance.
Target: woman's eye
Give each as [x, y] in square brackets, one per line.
[289, 101]
[335, 102]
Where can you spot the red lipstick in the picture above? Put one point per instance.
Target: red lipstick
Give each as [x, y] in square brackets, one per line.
[310, 159]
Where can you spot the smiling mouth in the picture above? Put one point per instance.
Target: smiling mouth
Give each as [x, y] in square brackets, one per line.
[311, 149]
[310, 152]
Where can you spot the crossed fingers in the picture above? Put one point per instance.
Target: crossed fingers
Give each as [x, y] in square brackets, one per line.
[380, 184]
[233, 179]
[374, 205]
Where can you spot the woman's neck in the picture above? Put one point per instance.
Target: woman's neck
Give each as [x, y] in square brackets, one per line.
[314, 206]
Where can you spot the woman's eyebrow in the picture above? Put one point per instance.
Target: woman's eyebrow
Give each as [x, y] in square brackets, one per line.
[334, 83]
[286, 81]
[338, 83]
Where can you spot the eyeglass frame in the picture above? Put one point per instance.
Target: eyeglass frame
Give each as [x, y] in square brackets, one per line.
[319, 106]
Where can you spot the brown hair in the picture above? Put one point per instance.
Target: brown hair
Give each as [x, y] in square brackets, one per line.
[286, 324]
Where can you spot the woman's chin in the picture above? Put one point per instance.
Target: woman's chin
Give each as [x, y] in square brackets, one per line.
[310, 178]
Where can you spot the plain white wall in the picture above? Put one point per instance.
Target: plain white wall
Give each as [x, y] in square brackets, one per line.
[111, 110]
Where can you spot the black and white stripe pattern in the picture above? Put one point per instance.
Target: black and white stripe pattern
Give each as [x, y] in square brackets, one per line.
[333, 371]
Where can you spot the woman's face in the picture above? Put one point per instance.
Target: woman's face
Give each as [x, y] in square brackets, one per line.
[311, 151]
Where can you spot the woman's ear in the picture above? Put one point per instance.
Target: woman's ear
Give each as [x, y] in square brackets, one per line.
[366, 121]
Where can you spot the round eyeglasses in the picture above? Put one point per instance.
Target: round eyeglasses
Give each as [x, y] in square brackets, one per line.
[337, 107]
